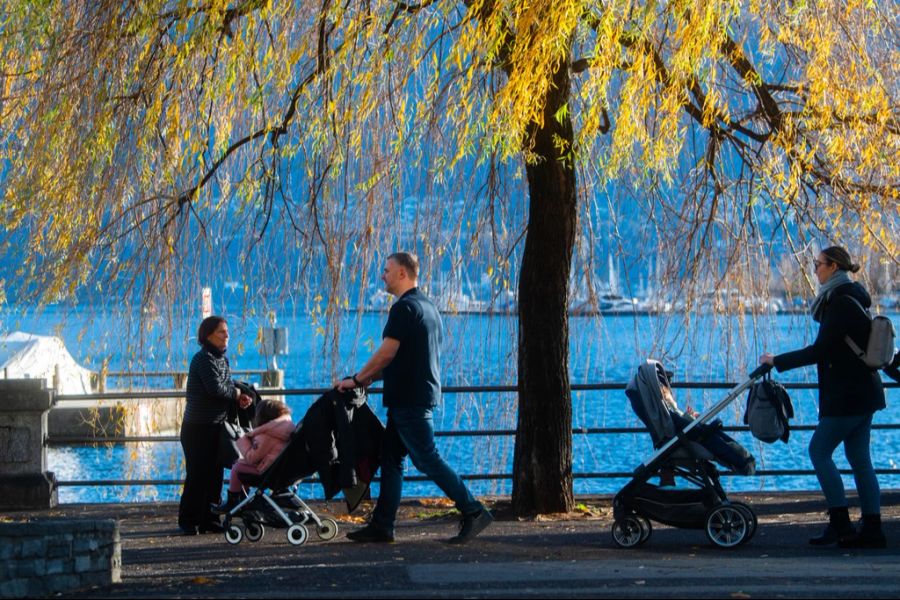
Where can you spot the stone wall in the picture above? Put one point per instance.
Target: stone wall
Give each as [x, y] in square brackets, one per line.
[42, 557]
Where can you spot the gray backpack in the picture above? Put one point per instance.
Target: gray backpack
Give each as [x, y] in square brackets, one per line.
[768, 410]
[879, 351]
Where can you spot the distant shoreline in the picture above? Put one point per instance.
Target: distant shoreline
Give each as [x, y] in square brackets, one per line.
[595, 313]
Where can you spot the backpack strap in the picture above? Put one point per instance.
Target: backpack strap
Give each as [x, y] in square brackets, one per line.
[859, 352]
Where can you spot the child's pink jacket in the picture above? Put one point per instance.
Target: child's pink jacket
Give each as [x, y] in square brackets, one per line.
[262, 446]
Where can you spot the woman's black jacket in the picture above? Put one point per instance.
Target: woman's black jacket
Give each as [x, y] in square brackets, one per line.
[210, 389]
[846, 385]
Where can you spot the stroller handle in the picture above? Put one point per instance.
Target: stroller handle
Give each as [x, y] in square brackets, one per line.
[760, 371]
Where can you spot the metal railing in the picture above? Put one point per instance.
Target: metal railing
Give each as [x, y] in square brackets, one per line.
[64, 441]
[178, 377]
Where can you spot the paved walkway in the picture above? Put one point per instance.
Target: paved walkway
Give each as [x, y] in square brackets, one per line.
[564, 556]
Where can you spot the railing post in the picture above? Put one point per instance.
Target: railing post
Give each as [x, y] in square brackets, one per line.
[273, 378]
[98, 379]
[180, 380]
[24, 480]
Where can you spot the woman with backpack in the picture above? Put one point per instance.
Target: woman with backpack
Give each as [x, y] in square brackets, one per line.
[849, 395]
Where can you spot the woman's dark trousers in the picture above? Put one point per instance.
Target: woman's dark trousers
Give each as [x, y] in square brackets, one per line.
[203, 475]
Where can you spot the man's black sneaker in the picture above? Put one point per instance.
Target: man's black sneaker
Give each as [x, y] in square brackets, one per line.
[371, 534]
[471, 526]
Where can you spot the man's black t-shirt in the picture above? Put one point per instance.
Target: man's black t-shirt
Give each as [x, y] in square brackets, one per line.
[413, 378]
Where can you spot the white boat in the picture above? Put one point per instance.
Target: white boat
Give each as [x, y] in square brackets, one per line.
[614, 304]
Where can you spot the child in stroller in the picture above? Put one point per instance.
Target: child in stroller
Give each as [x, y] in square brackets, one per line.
[686, 444]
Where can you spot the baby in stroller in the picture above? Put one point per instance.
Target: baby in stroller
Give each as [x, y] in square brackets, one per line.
[687, 444]
[653, 401]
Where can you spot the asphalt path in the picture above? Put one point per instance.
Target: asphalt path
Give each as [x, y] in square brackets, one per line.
[560, 556]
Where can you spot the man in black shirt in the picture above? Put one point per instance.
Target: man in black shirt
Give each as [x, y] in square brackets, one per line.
[409, 361]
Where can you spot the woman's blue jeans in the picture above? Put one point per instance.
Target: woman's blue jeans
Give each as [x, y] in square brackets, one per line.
[411, 431]
[855, 432]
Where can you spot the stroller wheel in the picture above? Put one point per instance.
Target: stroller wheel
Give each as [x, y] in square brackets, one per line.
[751, 519]
[255, 531]
[297, 534]
[328, 529]
[628, 532]
[234, 534]
[646, 527]
[726, 526]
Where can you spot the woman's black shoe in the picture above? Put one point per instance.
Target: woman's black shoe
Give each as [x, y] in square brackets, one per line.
[189, 529]
[838, 530]
[870, 535]
[211, 527]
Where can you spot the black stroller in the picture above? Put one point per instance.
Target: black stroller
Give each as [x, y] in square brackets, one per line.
[686, 448]
[339, 438]
[275, 502]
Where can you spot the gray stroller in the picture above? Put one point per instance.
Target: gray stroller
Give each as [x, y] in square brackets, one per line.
[687, 448]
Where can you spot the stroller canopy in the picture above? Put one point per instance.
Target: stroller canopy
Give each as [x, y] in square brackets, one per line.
[646, 396]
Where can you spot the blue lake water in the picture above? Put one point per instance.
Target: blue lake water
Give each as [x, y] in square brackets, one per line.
[479, 349]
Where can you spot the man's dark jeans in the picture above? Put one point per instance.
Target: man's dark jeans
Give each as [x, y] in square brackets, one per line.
[411, 431]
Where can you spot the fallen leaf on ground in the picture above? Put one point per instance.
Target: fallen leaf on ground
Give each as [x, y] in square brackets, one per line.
[442, 502]
[351, 519]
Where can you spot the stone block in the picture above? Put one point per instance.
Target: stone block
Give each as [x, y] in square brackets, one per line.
[32, 548]
[84, 563]
[63, 583]
[24, 569]
[14, 444]
[28, 491]
[8, 550]
[59, 548]
[40, 566]
[30, 568]
[21, 395]
[58, 566]
[103, 563]
[14, 588]
[86, 544]
[22, 449]
[95, 579]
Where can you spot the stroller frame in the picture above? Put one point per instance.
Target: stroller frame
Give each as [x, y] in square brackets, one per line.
[282, 509]
[727, 523]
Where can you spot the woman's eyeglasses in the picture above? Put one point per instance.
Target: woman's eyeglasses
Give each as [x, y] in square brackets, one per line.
[817, 263]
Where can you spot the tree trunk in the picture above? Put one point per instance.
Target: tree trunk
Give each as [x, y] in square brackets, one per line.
[542, 464]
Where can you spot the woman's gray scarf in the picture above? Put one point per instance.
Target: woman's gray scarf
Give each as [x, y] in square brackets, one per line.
[818, 305]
